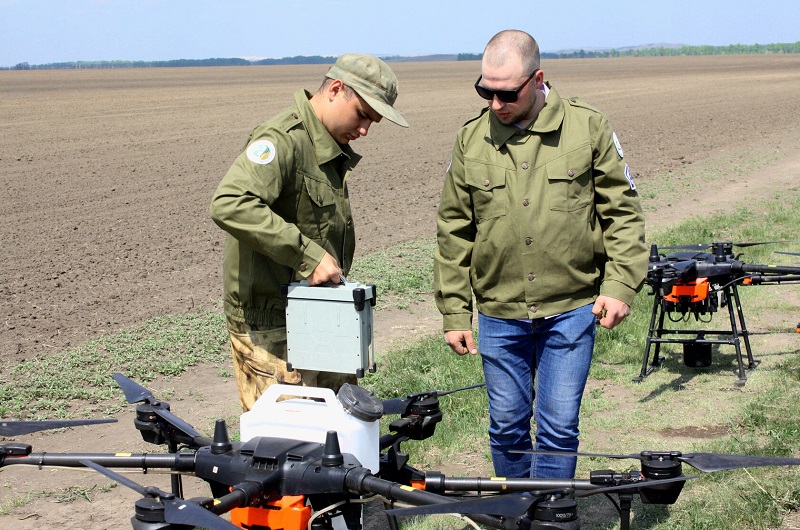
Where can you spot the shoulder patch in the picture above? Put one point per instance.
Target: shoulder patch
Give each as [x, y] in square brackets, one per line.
[629, 177]
[617, 144]
[261, 152]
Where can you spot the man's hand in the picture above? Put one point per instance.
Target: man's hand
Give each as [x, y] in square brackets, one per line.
[610, 310]
[327, 270]
[461, 342]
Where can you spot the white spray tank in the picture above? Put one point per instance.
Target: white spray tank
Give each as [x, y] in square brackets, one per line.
[353, 414]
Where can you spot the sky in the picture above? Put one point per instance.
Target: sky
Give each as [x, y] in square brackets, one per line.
[46, 31]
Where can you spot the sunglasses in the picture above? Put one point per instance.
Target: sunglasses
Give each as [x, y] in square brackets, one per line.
[506, 96]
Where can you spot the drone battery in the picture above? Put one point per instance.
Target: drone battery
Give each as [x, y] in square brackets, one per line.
[329, 328]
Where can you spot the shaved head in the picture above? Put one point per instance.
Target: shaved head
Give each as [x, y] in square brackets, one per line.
[512, 45]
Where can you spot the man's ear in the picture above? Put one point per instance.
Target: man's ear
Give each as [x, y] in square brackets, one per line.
[538, 79]
[334, 88]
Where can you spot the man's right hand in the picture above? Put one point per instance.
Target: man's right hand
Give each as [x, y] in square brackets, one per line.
[327, 270]
[461, 342]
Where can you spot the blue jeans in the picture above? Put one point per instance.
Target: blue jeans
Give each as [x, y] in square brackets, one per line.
[548, 359]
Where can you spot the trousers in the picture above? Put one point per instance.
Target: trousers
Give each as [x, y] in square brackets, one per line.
[535, 370]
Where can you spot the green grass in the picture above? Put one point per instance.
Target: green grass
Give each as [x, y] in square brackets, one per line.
[402, 274]
[77, 381]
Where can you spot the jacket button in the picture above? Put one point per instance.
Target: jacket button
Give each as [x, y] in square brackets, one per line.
[302, 267]
[571, 173]
[486, 182]
[531, 277]
[534, 309]
[524, 165]
[319, 199]
[294, 115]
[528, 240]
[525, 202]
[349, 222]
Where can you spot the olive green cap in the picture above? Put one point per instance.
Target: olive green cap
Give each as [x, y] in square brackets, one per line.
[372, 79]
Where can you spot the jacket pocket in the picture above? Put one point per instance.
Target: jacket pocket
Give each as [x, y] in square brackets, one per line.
[570, 185]
[315, 217]
[488, 189]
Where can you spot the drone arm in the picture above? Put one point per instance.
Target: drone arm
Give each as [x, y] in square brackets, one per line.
[438, 483]
[361, 481]
[758, 279]
[144, 461]
[241, 494]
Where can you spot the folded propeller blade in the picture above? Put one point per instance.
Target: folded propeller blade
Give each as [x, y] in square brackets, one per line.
[176, 510]
[399, 405]
[17, 428]
[136, 393]
[707, 462]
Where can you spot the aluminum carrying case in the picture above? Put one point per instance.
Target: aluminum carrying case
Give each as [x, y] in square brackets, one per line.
[329, 327]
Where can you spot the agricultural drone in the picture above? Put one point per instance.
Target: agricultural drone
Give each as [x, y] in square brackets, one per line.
[289, 484]
[696, 282]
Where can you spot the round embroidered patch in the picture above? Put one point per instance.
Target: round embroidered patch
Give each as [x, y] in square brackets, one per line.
[261, 152]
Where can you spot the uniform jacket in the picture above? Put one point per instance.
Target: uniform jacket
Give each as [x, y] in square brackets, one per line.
[283, 202]
[537, 221]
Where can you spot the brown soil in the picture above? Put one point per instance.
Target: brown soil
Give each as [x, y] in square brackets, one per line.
[108, 176]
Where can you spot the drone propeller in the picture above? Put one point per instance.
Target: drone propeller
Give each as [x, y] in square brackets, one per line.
[788, 253]
[135, 393]
[176, 510]
[399, 405]
[512, 505]
[706, 246]
[707, 462]
[16, 428]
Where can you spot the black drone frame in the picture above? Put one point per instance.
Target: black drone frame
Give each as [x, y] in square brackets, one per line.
[262, 471]
[725, 273]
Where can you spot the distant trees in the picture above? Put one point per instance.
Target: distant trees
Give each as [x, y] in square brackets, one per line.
[299, 59]
[652, 51]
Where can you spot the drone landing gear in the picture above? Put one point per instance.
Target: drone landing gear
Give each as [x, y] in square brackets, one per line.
[697, 351]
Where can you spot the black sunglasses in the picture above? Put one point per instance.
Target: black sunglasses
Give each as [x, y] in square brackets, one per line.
[506, 96]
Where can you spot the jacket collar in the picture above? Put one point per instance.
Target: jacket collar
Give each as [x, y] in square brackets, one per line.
[548, 120]
[325, 147]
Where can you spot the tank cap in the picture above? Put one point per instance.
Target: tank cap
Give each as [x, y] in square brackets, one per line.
[360, 402]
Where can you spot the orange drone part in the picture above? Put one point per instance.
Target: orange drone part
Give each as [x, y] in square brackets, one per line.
[420, 484]
[287, 513]
[696, 291]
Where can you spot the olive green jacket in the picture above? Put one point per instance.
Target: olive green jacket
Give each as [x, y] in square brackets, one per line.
[537, 221]
[283, 203]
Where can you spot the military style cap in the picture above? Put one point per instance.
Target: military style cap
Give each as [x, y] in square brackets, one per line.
[372, 79]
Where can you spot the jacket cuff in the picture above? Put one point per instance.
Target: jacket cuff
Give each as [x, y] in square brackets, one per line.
[620, 291]
[457, 322]
[311, 257]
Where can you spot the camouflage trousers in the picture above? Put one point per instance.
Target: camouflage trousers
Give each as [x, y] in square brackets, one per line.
[259, 360]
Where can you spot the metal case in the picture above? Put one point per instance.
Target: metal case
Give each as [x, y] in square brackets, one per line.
[329, 327]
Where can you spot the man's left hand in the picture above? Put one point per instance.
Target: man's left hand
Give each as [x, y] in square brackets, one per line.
[610, 310]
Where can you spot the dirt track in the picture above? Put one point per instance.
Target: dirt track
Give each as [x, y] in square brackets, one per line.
[108, 175]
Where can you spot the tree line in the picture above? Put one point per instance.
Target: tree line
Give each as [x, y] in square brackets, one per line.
[657, 51]
[651, 51]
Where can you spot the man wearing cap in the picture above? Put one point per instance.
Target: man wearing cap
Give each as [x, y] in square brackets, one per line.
[285, 206]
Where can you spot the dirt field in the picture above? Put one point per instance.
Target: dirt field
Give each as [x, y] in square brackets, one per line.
[108, 177]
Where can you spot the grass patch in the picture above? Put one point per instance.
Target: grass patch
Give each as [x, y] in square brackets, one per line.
[402, 274]
[78, 381]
